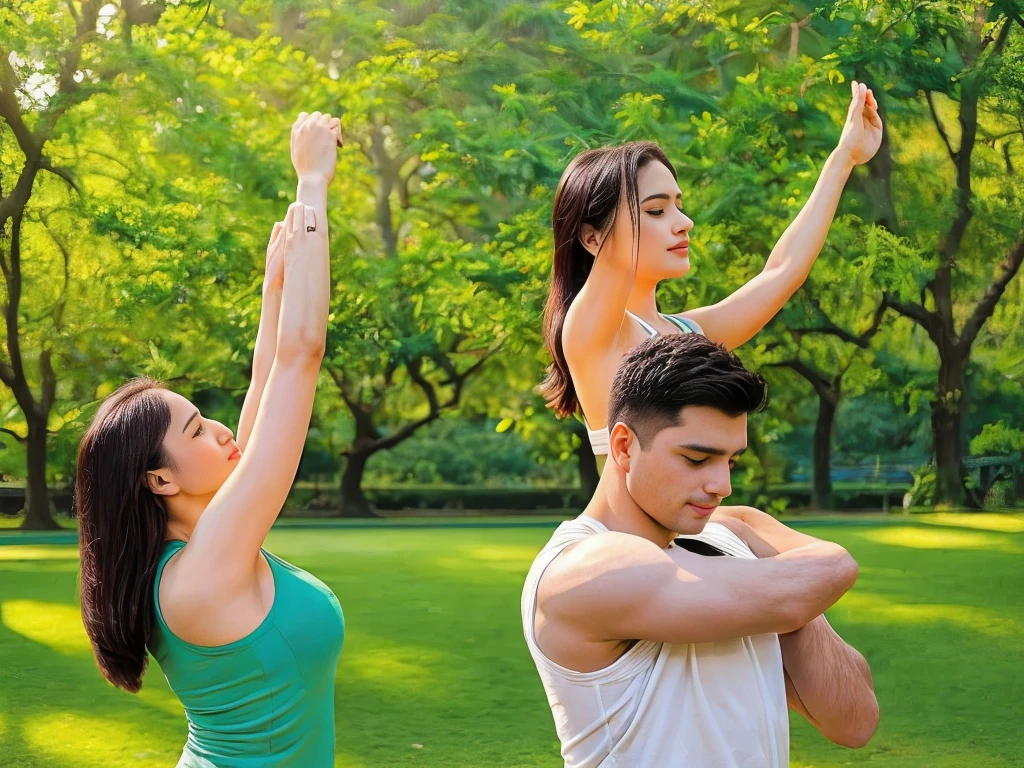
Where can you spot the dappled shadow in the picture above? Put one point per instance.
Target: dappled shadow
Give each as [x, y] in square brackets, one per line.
[57, 708]
[435, 671]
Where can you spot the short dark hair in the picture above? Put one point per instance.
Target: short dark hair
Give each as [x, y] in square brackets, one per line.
[663, 375]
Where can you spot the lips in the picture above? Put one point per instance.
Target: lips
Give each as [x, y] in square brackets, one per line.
[681, 248]
[702, 511]
[235, 454]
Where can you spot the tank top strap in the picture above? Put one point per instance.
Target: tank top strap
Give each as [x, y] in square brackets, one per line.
[171, 548]
[648, 328]
[684, 324]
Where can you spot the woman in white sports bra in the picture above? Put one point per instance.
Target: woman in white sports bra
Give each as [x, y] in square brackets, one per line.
[619, 230]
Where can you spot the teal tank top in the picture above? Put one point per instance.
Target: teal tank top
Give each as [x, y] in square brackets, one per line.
[267, 699]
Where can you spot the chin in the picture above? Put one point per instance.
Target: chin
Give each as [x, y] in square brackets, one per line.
[691, 526]
[681, 267]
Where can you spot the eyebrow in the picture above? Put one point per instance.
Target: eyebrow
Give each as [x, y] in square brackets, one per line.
[712, 451]
[189, 421]
[659, 196]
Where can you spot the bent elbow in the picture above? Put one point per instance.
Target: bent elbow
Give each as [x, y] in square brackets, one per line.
[857, 734]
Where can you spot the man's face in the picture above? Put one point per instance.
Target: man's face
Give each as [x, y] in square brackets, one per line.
[684, 472]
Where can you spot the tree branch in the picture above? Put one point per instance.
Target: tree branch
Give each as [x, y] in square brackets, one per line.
[938, 124]
[986, 306]
[923, 317]
[14, 434]
[820, 383]
[9, 109]
[46, 165]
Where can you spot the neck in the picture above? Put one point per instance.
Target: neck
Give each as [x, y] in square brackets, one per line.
[642, 300]
[183, 512]
[613, 506]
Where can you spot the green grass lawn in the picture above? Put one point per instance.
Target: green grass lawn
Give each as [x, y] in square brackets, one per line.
[435, 671]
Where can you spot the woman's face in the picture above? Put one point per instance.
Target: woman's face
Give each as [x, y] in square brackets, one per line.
[204, 451]
[664, 229]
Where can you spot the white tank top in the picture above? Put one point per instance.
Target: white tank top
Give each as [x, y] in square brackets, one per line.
[599, 437]
[702, 705]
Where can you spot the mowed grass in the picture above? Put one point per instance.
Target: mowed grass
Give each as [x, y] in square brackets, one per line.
[435, 671]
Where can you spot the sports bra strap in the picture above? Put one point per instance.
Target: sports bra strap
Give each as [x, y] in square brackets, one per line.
[685, 324]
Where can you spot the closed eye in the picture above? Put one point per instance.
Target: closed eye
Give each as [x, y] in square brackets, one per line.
[198, 432]
[696, 462]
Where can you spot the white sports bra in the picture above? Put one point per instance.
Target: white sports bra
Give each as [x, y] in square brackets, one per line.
[599, 437]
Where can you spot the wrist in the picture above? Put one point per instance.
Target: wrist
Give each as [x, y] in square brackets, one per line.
[843, 159]
[312, 180]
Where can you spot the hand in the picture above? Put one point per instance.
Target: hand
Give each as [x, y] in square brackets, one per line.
[758, 546]
[273, 276]
[314, 145]
[862, 134]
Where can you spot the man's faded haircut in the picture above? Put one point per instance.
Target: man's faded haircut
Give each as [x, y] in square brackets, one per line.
[663, 375]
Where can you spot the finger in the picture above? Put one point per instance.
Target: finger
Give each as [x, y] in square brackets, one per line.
[299, 121]
[314, 117]
[276, 231]
[874, 118]
[309, 218]
[294, 219]
[857, 107]
[335, 126]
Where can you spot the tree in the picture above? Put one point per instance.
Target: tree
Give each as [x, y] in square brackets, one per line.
[956, 62]
[53, 60]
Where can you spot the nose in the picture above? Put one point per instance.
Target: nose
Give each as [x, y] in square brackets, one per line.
[718, 481]
[682, 224]
[224, 434]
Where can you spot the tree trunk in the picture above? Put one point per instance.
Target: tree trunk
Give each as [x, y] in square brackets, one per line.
[37, 497]
[947, 430]
[821, 489]
[353, 501]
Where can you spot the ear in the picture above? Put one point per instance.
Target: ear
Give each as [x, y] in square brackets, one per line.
[621, 440]
[160, 483]
[591, 238]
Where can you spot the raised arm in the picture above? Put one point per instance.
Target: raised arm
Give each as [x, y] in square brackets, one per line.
[599, 310]
[312, 190]
[827, 680]
[674, 596]
[266, 335]
[228, 536]
[738, 317]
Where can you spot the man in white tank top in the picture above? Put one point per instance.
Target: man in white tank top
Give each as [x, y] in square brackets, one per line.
[652, 651]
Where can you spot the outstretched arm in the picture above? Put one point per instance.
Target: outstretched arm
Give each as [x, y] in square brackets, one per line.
[738, 317]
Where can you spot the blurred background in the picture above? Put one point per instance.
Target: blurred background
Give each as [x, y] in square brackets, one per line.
[144, 160]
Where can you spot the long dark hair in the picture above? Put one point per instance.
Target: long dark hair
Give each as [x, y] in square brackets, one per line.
[121, 526]
[588, 193]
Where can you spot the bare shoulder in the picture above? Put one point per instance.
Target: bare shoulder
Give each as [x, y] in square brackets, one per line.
[597, 573]
[204, 607]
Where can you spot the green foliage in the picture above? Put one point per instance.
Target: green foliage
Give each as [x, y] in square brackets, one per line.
[997, 439]
[459, 118]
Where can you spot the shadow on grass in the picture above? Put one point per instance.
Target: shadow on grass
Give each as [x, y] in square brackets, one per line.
[435, 671]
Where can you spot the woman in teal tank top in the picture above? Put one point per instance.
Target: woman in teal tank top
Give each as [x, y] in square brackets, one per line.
[173, 512]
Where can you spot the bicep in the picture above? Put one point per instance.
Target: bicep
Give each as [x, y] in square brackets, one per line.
[739, 316]
[236, 522]
[595, 318]
[645, 594]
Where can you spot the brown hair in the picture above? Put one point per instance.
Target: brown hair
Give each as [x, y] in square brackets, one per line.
[588, 193]
[121, 526]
